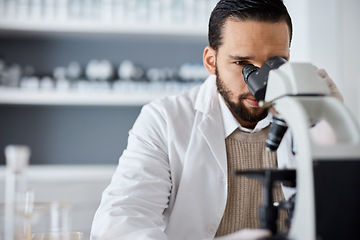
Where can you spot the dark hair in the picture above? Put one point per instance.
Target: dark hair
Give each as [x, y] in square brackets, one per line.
[256, 10]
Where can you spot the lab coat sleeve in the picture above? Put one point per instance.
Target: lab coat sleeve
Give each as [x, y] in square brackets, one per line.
[132, 206]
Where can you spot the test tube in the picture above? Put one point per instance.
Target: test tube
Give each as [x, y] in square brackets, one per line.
[2, 7]
[178, 12]
[10, 9]
[154, 12]
[166, 12]
[49, 10]
[142, 13]
[189, 12]
[119, 11]
[17, 161]
[22, 9]
[131, 11]
[106, 7]
[62, 11]
[36, 10]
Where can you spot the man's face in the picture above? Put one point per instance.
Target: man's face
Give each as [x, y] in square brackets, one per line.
[246, 42]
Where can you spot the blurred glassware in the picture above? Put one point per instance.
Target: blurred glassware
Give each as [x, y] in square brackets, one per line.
[16, 194]
[57, 236]
[41, 220]
[21, 217]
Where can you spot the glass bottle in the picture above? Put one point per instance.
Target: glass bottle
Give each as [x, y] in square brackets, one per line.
[17, 162]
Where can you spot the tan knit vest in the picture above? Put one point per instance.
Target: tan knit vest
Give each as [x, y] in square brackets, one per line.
[247, 151]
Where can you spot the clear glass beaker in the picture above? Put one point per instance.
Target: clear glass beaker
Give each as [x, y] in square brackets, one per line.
[51, 221]
[47, 220]
[58, 236]
[50, 217]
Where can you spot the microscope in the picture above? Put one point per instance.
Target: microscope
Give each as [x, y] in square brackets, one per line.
[326, 205]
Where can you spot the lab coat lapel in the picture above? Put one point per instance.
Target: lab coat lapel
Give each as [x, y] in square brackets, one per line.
[211, 126]
[213, 133]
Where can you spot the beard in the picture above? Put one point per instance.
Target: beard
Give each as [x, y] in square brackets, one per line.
[247, 114]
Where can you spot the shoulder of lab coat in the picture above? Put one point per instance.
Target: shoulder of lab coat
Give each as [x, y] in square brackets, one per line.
[176, 152]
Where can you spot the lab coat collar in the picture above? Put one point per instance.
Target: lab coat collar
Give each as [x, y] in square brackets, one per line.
[206, 99]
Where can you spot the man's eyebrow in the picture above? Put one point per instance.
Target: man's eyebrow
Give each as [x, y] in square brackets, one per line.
[236, 57]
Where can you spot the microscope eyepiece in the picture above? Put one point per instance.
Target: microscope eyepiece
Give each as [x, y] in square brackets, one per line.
[256, 78]
[247, 71]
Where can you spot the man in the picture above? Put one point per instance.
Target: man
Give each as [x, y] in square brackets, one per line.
[174, 179]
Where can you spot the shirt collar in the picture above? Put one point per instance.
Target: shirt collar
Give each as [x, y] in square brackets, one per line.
[231, 124]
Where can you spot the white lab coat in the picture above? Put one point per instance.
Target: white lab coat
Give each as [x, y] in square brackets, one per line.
[171, 181]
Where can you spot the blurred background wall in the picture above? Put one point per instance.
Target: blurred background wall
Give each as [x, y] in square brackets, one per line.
[326, 34]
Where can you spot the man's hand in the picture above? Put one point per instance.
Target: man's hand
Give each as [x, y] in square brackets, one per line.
[334, 90]
[323, 133]
[246, 234]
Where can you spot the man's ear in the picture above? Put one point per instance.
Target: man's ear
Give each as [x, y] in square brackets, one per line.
[209, 60]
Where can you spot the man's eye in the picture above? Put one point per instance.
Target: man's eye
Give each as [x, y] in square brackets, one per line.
[241, 63]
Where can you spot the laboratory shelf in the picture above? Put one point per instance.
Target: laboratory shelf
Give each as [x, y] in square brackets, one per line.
[89, 27]
[15, 96]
